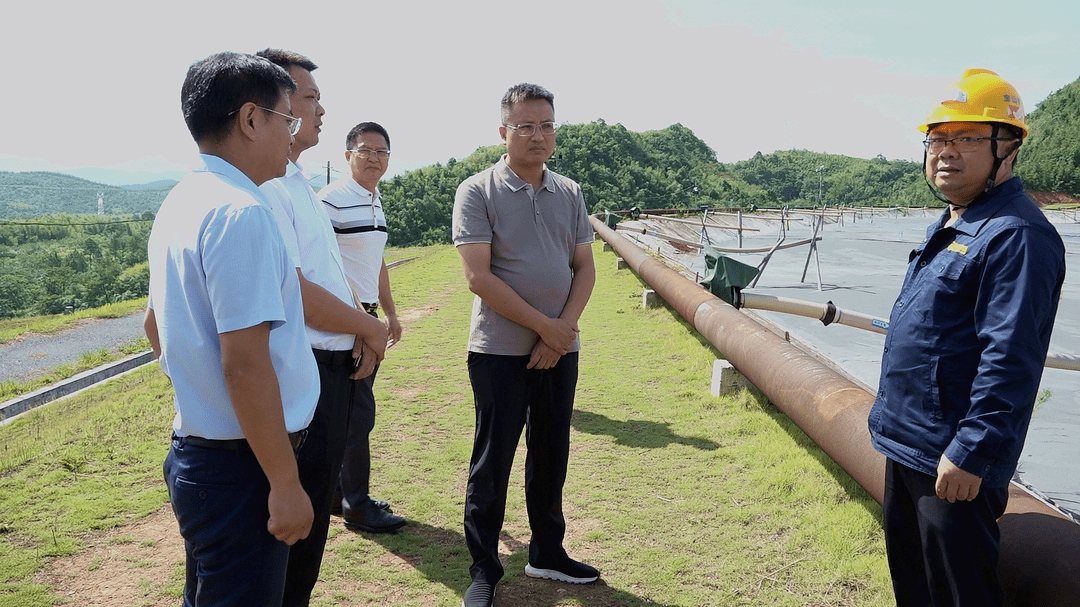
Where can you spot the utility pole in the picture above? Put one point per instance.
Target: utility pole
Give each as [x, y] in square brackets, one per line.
[819, 170]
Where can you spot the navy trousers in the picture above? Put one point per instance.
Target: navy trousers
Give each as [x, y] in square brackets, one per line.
[319, 461]
[219, 498]
[941, 554]
[509, 397]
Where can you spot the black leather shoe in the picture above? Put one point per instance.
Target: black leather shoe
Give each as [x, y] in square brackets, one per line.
[335, 508]
[369, 517]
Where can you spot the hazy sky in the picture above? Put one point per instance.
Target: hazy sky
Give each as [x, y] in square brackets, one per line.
[97, 83]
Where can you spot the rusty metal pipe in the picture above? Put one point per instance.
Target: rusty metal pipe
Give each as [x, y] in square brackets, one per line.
[1040, 546]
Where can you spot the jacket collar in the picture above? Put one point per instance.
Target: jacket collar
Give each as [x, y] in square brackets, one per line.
[977, 215]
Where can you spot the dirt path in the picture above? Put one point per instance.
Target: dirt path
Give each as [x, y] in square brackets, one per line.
[123, 567]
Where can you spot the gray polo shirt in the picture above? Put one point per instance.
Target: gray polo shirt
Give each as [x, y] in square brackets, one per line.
[532, 236]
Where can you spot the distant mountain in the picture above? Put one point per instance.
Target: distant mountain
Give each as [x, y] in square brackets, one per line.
[34, 193]
[120, 178]
[153, 185]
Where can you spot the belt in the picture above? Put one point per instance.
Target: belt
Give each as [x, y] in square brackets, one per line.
[333, 358]
[296, 439]
[370, 308]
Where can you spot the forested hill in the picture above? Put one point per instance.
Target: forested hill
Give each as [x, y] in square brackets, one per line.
[32, 194]
[1049, 160]
[619, 169]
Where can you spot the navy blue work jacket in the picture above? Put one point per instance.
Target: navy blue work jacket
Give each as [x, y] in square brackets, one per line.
[968, 337]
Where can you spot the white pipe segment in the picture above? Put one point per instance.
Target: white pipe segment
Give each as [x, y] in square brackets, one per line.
[866, 322]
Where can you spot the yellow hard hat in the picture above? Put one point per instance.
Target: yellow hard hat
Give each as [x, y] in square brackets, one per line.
[979, 96]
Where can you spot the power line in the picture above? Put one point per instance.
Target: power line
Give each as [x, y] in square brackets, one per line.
[72, 223]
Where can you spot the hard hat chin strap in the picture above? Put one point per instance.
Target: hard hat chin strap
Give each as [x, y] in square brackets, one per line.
[998, 160]
[930, 185]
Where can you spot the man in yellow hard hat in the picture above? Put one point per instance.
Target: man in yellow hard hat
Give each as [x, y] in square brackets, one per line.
[964, 354]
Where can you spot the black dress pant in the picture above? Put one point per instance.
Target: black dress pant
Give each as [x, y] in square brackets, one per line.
[353, 487]
[941, 554]
[509, 397]
[319, 461]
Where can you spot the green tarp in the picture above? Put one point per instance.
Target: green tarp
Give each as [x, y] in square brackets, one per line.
[724, 277]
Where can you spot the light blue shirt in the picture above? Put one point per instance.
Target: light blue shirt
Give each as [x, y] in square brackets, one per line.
[218, 264]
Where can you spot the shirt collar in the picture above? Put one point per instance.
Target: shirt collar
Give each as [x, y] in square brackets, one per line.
[293, 168]
[975, 216]
[514, 182]
[362, 190]
[219, 166]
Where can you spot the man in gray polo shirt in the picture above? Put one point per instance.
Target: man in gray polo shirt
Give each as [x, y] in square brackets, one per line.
[526, 247]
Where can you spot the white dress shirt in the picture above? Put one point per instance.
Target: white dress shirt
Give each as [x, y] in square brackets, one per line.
[309, 238]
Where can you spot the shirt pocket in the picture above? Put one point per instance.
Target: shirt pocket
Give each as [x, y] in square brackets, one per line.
[946, 296]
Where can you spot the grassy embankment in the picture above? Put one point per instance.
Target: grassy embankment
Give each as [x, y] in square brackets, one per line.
[48, 325]
[680, 498]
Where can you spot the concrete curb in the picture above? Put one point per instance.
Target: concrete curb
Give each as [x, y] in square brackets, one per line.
[25, 402]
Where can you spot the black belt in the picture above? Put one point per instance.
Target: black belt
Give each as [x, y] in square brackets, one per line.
[296, 439]
[333, 358]
[370, 308]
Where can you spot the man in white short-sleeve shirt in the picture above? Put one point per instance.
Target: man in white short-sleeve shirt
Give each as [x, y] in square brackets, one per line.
[347, 342]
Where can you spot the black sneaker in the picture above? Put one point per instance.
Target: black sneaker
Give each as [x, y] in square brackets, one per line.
[479, 594]
[566, 570]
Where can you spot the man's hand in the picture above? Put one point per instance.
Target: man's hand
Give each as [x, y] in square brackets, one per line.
[954, 483]
[290, 514]
[543, 357]
[393, 330]
[366, 360]
[373, 346]
[559, 335]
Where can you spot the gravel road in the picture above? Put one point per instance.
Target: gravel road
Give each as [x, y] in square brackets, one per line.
[34, 356]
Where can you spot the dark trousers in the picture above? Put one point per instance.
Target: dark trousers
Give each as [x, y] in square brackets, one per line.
[220, 497]
[319, 461]
[508, 397]
[352, 489]
[941, 554]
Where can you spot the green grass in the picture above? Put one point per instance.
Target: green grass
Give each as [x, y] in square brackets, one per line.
[680, 498]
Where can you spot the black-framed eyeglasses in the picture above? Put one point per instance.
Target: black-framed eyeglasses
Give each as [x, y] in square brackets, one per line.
[293, 122]
[959, 144]
[528, 130]
[364, 154]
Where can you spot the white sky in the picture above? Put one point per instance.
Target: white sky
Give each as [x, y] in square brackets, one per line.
[97, 83]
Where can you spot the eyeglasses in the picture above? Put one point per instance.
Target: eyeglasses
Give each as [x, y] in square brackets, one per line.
[364, 154]
[293, 122]
[962, 145]
[528, 130]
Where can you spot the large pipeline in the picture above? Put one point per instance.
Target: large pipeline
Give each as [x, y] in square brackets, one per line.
[1040, 546]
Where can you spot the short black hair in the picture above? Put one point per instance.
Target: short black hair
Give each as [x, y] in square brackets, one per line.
[222, 83]
[365, 127]
[524, 92]
[287, 59]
